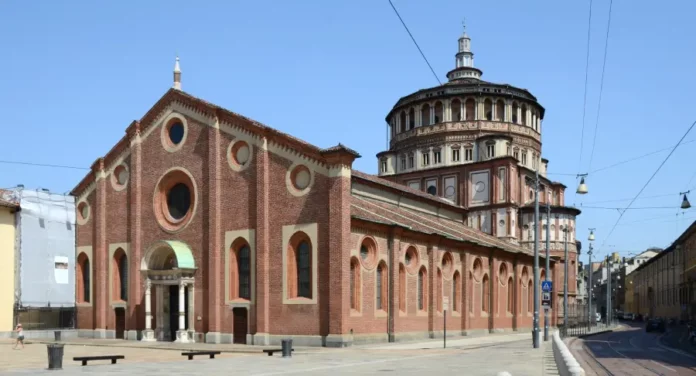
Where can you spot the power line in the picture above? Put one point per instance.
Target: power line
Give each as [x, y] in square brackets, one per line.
[648, 182]
[625, 161]
[414, 41]
[622, 209]
[584, 103]
[629, 198]
[601, 85]
[43, 165]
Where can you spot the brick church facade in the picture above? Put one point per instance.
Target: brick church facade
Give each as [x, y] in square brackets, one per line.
[201, 225]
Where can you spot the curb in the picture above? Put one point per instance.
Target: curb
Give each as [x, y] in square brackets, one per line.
[565, 361]
[596, 333]
[235, 351]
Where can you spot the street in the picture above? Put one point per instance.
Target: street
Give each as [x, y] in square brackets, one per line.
[630, 351]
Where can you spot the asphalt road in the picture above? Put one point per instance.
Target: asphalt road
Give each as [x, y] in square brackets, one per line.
[631, 351]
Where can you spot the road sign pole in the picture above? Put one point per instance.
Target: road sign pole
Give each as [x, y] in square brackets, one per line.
[445, 307]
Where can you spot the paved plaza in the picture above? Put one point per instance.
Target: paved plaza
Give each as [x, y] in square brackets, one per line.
[471, 356]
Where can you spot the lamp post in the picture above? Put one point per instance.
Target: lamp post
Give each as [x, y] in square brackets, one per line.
[608, 290]
[591, 238]
[548, 242]
[535, 329]
[565, 277]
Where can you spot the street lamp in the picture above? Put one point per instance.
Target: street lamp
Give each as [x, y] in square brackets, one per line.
[582, 188]
[590, 293]
[565, 278]
[591, 237]
[535, 330]
[685, 202]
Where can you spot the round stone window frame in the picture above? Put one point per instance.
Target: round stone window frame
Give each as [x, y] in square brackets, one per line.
[290, 176]
[371, 261]
[414, 266]
[477, 272]
[169, 179]
[447, 266]
[118, 186]
[81, 219]
[170, 120]
[232, 148]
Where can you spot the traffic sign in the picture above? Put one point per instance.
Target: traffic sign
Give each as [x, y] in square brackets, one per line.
[445, 303]
[546, 286]
[546, 297]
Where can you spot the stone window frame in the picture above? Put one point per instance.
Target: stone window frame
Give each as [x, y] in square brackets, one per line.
[456, 293]
[381, 290]
[438, 290]
[115, 184]
[437, 156]
[232, 264]
[444, 185]
[369, 242]
[232, 148]
[422, 291]
[114, 273]
[411, 157]
[81, 219]
[79, 281]
[170, 178]
[164, 132]
[295, 233]
[490, 149]
[403, 290]
[355, 286]
[290, 175]
[247, 236]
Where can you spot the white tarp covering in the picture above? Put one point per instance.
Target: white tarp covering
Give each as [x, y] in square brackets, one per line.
[46, 240]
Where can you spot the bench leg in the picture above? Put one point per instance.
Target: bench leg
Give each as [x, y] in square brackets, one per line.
[190, 357]
[113, 361]
[270, 353]
[212, 356]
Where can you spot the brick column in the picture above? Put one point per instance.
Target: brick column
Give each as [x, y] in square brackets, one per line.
[394, 249]
[516, 303]
[100, 254]
[432, 272]
[493, 296]
[135, 307]
[215, 260]
[465, 260]
[262, 308]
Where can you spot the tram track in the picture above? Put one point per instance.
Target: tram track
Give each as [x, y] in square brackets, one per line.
[596, 364]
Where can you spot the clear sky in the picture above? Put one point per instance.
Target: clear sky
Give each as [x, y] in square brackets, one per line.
[74, 74]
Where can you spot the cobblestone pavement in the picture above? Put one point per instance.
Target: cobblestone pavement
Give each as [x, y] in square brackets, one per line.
[630, 351]
[507, 354]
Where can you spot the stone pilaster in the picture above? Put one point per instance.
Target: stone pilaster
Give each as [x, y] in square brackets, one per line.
[215, 259]
[101, 257]
[136, 311]
[432, 288]
[262, 306]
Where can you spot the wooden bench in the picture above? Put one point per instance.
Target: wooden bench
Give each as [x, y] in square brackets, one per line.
[271, 351]
[191, 354]
[85, 359]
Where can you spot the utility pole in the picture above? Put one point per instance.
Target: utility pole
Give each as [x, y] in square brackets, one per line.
[589, 290]
[535, 339]
[608, 290]
[565, 279]
[548, 242]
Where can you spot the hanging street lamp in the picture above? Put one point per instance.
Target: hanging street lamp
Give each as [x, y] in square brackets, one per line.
[582, 188]
[685, 202]
[591, 237]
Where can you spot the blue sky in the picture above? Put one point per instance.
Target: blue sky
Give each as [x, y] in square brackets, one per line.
[76, 73]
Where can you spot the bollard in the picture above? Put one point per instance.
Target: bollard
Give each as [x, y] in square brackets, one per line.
[56, 334]
[55, 356]
[286, 346]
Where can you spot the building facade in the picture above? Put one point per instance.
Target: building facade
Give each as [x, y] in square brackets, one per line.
[8, 207]
[478, 144]
[204, 225]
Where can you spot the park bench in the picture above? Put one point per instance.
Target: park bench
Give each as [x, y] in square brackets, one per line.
[191, 354]
[85, 359]
[271, 351]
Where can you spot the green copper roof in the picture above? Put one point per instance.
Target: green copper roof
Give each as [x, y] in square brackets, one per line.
[184, 256]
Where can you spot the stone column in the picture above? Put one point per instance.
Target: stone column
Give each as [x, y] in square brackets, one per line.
[148, 333]
[192, 309]
[182, 333]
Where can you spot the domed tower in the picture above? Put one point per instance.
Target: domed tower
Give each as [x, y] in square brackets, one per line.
[477, 144]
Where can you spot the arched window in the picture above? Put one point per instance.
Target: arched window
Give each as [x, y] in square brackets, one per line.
[470, 109]
[438, 289]
[456, 107]
[425, 115]
[411, 119]
[455, 291]
[500, 110]
[381, 288]
[402, 121]
[439, 113]
[486, 294]
[354, 284]
[510, 295]
[422, 289]
[524, 114]
[530, 296]
[402, 288]
[515, 107]
[304, 270]
[83, 281]
[123, 277]
[244, 272]
[470, 292]
[488, 109]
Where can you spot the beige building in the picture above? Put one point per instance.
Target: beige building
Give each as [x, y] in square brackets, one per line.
[660, 286]
[7, 258]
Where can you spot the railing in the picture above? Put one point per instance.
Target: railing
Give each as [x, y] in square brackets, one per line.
[45, 318]
[580, 324]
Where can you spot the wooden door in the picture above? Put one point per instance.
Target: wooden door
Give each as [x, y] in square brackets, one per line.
[120, 314]
[240, 324]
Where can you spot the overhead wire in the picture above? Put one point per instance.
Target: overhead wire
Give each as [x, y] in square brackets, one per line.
[622, 212]
[414, 42]
[587, 71]
[43, 165]
[601, 86]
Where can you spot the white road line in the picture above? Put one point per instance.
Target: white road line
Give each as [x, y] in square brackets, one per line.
[669, 368]
[680, 352]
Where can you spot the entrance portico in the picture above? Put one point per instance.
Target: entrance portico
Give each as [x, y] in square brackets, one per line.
[169, 266]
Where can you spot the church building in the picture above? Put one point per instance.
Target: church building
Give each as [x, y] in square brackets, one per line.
[202, 225]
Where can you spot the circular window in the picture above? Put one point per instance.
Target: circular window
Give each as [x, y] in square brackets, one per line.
[503, 273]
[478, 269]
[82, 212]
[119, 177]
[299, 180]
[368, 252]
[239, 155]
[501, 223]
[411, 260]
[176, 132]
[480, 186]
[175, 200]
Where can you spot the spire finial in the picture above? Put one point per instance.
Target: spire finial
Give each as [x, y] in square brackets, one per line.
[464, 24]
[177, 74]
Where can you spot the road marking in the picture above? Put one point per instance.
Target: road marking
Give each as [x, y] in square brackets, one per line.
[676, 351]
[669, 368]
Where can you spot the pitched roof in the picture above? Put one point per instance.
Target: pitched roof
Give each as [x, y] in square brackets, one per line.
[385, 213]
[212, 110]
[7, 199]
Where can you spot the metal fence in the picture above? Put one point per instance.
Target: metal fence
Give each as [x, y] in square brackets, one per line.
[581, 323]
[45, 318]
